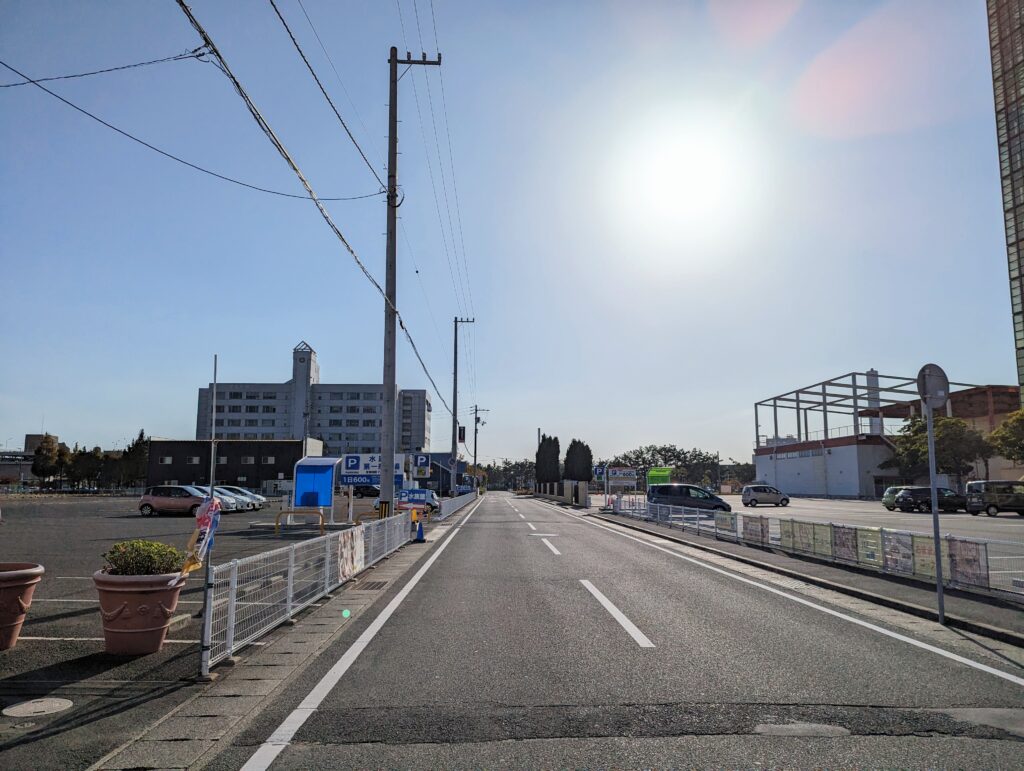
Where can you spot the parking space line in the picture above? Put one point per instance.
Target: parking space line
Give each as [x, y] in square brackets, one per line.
[551, 546]
[618, 615]
[530, 525]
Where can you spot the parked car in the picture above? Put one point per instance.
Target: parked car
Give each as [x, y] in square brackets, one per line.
[920, 499]
[169, 499]
[365, 491]
[686, 495]
[995, 496]
[228, 502]
[757, 494]
[889, 496]
[257, 499]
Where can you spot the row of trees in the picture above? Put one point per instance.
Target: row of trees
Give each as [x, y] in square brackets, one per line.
[694, 466]
[958, 447]
[56, 464]
[578, 465]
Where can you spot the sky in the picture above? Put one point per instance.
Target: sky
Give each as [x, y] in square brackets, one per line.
[657, 212]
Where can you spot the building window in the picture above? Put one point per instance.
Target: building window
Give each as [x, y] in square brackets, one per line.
[270, 394]
[220, 408]
[252, 408]
[250, 436]
[269, 408]
[351, 437]
[251, 422]
[166, 460]
[234, 422]
[370, 410]
[220, 435]
[222, 460]
[353, 394]
[234, 394]
[267, 422]
[242, 479]
[267, 460]
[334, 423]
[218, 422]
[371, 396]
[337, 409]
[372, 423]
[235, 408]
[368, 437]
[252, 395]
[192, 460]
[335, 395]
[352, 409]
[352, 423]
[248, 460]
[221, 395]
[234, 436]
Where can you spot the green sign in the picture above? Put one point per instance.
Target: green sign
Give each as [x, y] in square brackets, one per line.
[658, 476]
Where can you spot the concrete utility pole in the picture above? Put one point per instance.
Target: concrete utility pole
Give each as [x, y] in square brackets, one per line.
[387, 458]
[453, 464]
[476, 430]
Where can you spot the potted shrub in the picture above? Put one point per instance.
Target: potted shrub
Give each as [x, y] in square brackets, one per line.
[17, 583]
[138, 587]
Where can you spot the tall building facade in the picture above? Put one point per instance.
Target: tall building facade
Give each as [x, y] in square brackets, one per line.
[1006, 39]
[347, 417]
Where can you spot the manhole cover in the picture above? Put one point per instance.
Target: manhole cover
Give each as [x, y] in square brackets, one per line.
[37, 707]
[372, 586]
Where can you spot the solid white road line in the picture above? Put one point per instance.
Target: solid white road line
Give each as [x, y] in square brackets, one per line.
[859, 622]
[618, 615]
[277, 741]
[530, 525]
[550, 546]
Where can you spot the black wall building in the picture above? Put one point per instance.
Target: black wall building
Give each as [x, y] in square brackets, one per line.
[254, 464]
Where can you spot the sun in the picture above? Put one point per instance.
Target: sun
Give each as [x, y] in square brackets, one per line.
[682, 178]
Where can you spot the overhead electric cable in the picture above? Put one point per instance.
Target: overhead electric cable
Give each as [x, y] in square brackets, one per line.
[265, 127]
[173, 157]
[196, 53]
[324, 92]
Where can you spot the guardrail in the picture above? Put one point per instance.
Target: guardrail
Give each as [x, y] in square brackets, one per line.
[972, 564]
[450, 505]
[252, 595]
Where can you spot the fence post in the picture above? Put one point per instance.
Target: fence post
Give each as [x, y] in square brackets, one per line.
[291, 580]
[327, 562]
[232, 591]
[204, 659]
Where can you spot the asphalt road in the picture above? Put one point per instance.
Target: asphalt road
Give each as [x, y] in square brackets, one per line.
[539, 638]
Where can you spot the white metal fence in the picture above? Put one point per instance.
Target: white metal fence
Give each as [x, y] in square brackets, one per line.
[450, 505]
[251, 596]
[973, 564]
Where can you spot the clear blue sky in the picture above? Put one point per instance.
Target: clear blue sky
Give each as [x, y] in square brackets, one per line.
[670, 210]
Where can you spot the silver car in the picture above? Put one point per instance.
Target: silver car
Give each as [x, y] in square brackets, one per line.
[240, 492]
[228, 502]
[755, 494]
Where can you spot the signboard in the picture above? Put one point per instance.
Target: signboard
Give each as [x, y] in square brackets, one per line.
[933, 386]
[420, 466]
[755, 529]
[364, 469]
[620, 476]
[803, 536]
[899, 553]
[598, 473]
[786, 534]
[725, 521]
[924, 556]
[659, 476]
[823, 539]
[869, 546]
[351, 552]
[968, 562]
[845, 543]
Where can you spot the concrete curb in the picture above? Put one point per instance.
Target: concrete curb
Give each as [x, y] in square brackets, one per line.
[966, 625]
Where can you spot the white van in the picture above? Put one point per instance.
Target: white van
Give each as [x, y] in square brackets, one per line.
[755, 494]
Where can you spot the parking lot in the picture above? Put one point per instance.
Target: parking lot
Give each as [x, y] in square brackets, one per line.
[60, 652]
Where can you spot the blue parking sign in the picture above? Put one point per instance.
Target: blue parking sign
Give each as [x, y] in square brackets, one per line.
[351, 463]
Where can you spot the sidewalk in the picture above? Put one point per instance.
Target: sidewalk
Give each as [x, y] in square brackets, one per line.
[989, 617]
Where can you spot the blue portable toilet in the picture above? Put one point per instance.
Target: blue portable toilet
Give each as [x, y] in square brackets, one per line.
[314, 483]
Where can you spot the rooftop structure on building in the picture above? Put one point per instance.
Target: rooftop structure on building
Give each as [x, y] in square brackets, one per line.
[347, 417]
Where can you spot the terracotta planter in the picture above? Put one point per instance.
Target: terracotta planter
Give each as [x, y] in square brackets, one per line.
[17, 583]
[136, 610]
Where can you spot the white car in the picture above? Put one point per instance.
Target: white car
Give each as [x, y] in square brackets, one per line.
[240, 492]
[228, 502]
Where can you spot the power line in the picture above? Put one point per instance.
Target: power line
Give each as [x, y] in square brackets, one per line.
[196, 53]
[173, 157]
[265, 127]
[324, 92]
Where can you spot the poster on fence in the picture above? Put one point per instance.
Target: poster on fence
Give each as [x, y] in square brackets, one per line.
[869, 546]
[823, 539]
[803, 536]
[351, 558]
[725, 522]
[899, 552]
[845, 547]
[786, 534]
[755, 529]
[968, 562]
[924, 556]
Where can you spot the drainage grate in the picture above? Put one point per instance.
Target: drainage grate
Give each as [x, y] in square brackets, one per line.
[371, 586]
[35, 707]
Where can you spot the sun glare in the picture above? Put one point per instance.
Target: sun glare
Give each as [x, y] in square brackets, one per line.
[682, 180]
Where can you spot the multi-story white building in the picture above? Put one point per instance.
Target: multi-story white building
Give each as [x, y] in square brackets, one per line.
[348, 417]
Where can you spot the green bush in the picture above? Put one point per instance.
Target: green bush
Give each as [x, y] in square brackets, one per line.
[142, 558]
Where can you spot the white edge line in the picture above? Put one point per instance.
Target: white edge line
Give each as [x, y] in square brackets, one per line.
[551, 546]
[618, 615]
[859, 622]
[280, 738]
